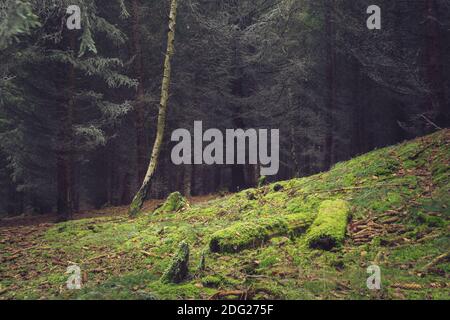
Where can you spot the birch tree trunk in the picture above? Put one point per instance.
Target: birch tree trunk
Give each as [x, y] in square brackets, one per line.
[140, 196]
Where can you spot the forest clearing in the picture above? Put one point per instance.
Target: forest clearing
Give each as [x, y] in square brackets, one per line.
[221, 151]
[398, 198]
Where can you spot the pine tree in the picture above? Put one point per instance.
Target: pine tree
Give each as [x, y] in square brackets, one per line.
[61, 117]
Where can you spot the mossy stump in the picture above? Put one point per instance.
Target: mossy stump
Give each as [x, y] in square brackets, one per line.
[277, 187]
[174, 203]
[262, 181]
[329, 228]
[250, 234]
[178, 269]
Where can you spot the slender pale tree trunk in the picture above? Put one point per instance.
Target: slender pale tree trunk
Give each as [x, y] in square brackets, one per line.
[139, 198]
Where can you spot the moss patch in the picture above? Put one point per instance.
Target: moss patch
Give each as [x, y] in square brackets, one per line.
[121, 258]
[174, 203]
[328, 230]
[253, 233]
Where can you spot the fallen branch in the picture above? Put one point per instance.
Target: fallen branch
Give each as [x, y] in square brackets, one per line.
[222, 294]
[429, 237]
[437, 260]
[430, 122]
[407, 286]
[2, 291]
[148, 254]
[96, 257]
[11, 258]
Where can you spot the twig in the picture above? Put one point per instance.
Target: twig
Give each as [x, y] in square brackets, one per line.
[2, 291]
[430, 122]
[148, 254]
[256, 276]
[222, 294]
[437, 260]
[95, 258]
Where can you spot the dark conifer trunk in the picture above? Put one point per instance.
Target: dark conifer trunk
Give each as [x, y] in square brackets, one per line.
[139, 106]
[331, 84]
[65, 148]
[357, 117]
[437, 107]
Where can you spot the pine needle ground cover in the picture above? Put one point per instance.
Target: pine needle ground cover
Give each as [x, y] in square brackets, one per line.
[393, 211]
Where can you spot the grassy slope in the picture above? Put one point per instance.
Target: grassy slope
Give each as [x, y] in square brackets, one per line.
[399, 197]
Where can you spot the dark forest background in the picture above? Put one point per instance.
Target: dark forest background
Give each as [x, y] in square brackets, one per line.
[78, 108]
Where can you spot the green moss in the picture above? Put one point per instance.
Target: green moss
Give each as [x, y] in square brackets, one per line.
[212, 281]
[253, 233]
[189, 290]
[303, 204]
[268, 257]
[262, 181]
[328, 230]
[136, 204]
[178, 268]
[411, 178]
[127, 287]
[174, 203]
[430, 221]
[389, 200]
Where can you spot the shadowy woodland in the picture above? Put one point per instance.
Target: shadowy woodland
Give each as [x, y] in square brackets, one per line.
[78, 108]
[358, 210]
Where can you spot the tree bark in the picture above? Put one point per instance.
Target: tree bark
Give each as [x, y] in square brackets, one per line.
[331, 82]
[65, 150]
[139, 198]
[187, 180]
[434, 66]
[139, 107]
[358, 113]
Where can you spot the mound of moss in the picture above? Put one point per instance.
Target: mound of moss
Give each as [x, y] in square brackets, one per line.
[174, 203]
[328, 230]
[250, 234]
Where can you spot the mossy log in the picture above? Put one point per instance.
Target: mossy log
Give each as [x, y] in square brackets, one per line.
[328, 230]
[174, 203]
[178, 269]
[253, 233]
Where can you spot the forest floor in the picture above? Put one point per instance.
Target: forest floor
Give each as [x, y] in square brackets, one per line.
[399, 198]
[44, 219]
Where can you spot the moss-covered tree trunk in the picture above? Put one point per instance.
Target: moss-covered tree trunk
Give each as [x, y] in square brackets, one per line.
[139, 198]
[251, 234]
[329, 228]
